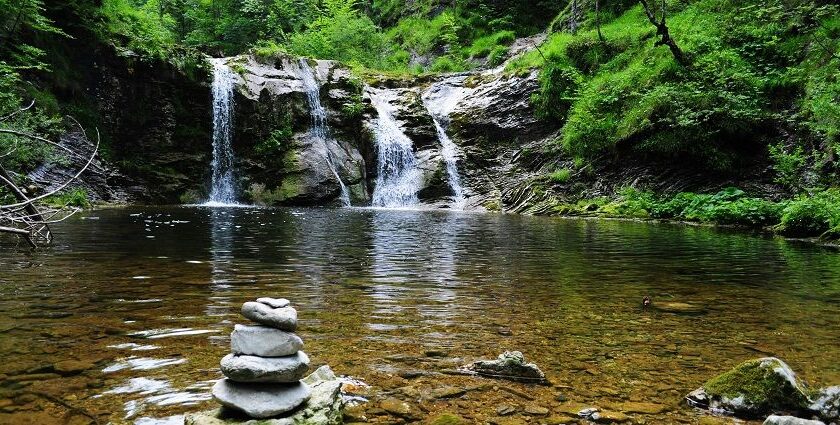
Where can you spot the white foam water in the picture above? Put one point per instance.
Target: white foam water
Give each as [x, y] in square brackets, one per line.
[320, 129]
[398, 179]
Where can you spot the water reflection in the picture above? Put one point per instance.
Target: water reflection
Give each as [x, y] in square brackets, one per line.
[142, 301]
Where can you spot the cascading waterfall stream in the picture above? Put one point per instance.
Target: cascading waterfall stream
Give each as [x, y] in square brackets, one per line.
[222, 188]
[439, 100]
[320, 130]
[398, 179]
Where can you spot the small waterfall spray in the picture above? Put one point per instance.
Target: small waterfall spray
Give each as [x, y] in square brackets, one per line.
[222, 188]
[398, 179]
[439, 101]
[320, 130]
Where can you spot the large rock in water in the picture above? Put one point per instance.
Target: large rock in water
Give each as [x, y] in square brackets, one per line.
[510, 365]
[827, 404]
[789, 420]
[280, 318]
[753, 389]
[264, 341]
[261, 400]
[323, 408]
[286, 369]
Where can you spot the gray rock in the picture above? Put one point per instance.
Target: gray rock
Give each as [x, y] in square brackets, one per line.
[274, 302]
[241, 368]
[753, 388]
[324, 407]
[510, 365]
[789, 420]
[281, 318]
[261, 400]
[264, 341]
[827, 403]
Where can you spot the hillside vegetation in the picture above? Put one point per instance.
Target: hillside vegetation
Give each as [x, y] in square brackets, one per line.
[756, 81]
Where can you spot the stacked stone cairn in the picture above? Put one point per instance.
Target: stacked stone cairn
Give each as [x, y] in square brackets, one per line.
[264, 369]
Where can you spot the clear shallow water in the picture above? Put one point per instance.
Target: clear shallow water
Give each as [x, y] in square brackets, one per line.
[128, 315]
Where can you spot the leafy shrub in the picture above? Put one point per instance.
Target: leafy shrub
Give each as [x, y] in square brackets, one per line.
[71, 198]
[562, 175]
[558, 90]
[497, 55]
[279, 139]
[811, 215]
[789, 166]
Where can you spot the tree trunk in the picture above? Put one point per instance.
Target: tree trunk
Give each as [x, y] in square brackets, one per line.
[664, 34]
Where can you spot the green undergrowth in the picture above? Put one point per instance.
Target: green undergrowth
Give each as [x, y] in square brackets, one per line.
[814, 214]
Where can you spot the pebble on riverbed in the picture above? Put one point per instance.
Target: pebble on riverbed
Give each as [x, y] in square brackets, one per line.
[263, 372]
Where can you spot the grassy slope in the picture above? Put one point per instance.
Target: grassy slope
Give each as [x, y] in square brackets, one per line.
[761, 88]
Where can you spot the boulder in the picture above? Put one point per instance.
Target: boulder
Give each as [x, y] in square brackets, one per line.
[510, 365]
[324, 407]
[789, 420]
[264, 341]
[753, 389]
[242, 368]
[280, 318]
[261, 400]
[827, 403]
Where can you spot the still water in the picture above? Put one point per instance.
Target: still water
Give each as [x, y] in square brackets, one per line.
[126, 317]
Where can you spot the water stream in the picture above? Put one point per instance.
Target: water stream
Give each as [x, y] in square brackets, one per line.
[398, 178]
[222, 186]
[141, 301]
[439, 100]
[320, 128]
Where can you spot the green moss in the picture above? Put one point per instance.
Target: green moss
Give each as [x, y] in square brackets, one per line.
[447, 419]
[763, 385]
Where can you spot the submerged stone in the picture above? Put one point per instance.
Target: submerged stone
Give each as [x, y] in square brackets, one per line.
[324, 406]
[789, 420]
[274, 302]
[510, 365]
[280, 318]
[679, 308]
[242, 368]
[261, 400]
[264, 341]
[752, 389]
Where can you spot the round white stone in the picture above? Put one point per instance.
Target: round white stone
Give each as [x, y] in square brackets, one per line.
[263, 341]
[261, 400]
[280, 318]
[242, 368]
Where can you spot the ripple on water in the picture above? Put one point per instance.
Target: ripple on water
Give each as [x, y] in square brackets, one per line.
[142, 363]
[166, 333]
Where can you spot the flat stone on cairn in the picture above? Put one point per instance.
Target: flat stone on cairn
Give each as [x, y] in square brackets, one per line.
[264, 369]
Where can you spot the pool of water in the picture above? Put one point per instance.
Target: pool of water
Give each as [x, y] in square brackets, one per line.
[126, 317]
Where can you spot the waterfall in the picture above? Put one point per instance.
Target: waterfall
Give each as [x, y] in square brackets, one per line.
[398, 179]
[320, 130]
[439, 100]
[222, 190]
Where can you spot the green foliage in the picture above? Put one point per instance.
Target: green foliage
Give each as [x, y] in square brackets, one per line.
[559, 87]
[278, 141]
[69, 198]
[789, 166]
[562, 175]
[811, 215]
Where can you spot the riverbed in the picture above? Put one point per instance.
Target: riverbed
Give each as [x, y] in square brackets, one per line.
[126, 317]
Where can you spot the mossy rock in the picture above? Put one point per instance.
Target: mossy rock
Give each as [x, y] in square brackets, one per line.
[753, 389]
[447, 419]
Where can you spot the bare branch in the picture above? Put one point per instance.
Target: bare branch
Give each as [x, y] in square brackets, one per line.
[7, 117]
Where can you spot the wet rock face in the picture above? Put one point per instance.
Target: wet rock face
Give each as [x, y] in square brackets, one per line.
[753, 389]
[273, 139]
[158, 122]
